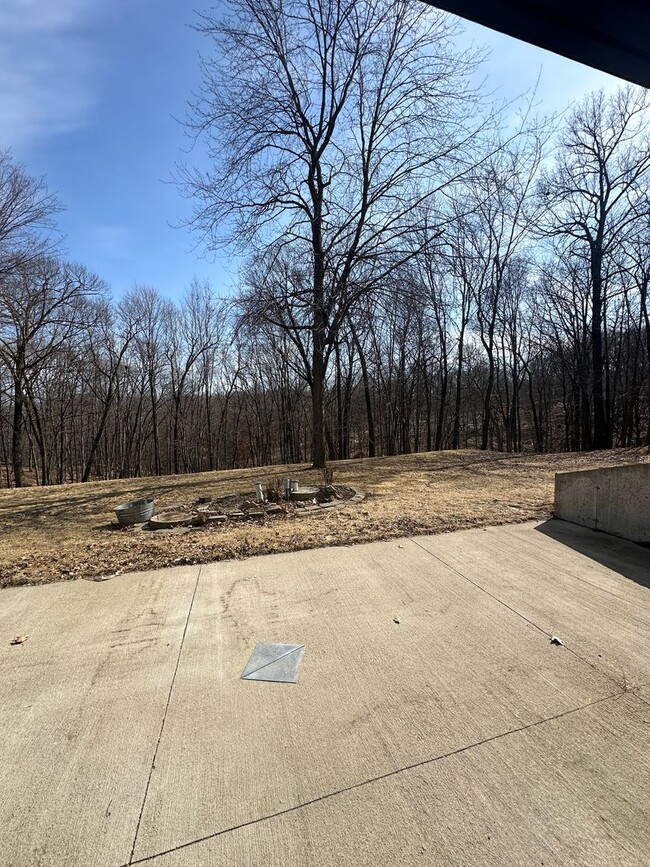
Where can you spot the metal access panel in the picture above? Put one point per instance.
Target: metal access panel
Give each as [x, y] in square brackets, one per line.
[279, 663]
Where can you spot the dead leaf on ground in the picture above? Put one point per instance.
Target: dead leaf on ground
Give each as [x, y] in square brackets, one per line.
[19, 639]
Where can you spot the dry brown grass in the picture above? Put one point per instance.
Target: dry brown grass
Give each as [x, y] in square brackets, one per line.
[49, 534]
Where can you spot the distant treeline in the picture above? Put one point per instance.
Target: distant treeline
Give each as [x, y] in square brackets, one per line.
[513, 315]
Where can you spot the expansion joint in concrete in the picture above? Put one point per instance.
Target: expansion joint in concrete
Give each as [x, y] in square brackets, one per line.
[369, 782]
[164, 719]
[530, 622]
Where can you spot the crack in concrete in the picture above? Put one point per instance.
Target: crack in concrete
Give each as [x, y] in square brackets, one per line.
[164, 719]
[635, 693]
[370, 781]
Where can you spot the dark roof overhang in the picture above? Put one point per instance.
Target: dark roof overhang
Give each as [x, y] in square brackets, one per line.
[611, 36]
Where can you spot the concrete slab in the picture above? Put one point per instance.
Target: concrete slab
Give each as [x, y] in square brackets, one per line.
[373, 695]
[458, 735]
[82, 704]
[588, 588]
[574, 790]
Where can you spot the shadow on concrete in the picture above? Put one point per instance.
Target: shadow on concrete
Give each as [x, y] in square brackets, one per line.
[627, 558]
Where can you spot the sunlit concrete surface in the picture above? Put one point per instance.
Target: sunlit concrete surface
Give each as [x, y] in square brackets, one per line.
[457, 735]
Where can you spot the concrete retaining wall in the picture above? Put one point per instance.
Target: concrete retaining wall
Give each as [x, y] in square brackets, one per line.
[615, 500]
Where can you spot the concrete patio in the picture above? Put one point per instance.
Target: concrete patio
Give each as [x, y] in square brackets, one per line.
[459, 735]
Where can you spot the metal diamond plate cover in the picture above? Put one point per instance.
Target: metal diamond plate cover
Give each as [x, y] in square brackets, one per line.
[279, 663]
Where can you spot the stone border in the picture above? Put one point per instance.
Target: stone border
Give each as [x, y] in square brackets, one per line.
[356, 497]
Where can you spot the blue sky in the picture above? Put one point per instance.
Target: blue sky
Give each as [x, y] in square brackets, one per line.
[89, 93]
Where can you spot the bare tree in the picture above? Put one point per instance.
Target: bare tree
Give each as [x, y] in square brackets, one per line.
[43, 307]
[109, 341]
[194, 331]
[408, 320]
[328, 124]
[598, 187]
[27, 209]
[148, 310]
[500, 214]
[464, 271]
[637, 271]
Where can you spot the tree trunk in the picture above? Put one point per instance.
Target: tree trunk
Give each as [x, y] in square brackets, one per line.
[442, 410]
[17, 434]
[208, 424]
[98, 433]
[176, 435]
[455, 441]
[370, 416]
[318, 363]
[602, 436]
[154, 422]
[487, 401]
[317, 404]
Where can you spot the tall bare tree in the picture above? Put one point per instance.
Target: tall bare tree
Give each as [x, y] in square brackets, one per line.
[328, 124]
[598, 187]
[147, 308]
[109, 339]
[194, 330]
[499, 215]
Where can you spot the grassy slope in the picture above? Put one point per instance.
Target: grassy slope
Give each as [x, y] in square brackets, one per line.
[49, 534]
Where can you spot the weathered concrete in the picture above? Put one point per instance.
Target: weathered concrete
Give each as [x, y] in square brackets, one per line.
[80, 712]
[555, 793]
[373, 696]
[459, 735]
[615, 500]
[590, 589]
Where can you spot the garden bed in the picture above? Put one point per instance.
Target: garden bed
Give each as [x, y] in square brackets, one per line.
[58, 533]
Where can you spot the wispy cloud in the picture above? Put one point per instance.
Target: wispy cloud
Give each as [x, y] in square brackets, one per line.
[47, 68]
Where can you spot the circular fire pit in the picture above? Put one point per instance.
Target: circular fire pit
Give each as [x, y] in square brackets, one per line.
[302, 494]
[207, 512]
[169, 520]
